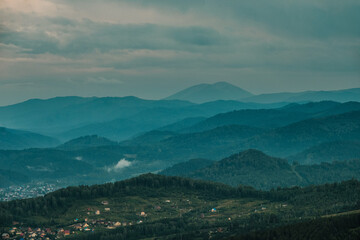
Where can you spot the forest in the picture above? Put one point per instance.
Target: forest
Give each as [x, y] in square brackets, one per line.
[240, 210]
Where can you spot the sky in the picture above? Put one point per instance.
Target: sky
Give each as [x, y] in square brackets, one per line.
[154, 48]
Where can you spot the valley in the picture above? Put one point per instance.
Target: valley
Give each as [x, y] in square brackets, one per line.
[179, 120]
[215, 170]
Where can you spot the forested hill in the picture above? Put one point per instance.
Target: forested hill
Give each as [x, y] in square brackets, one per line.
[250, 167]
[173, 205]
[328, 152]
[334, 228]
[256, 169]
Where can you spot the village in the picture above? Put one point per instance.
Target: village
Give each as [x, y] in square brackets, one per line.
[95, 220]
[79, 226]
[19, 231]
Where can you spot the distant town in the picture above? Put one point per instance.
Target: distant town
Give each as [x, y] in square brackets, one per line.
[27, 191]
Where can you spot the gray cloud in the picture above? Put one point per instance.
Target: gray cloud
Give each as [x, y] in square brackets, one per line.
[74, 37]
[158, 43]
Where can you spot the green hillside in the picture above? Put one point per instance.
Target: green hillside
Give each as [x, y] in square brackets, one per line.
[154, 206]
[256, 169]
[328, 152]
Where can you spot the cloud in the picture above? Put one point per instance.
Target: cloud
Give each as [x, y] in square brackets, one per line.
[123, 163]
[87, 36]
[99, 44]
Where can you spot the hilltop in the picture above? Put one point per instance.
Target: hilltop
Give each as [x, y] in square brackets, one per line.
[250, 167]
[256, 169]
[211, 92]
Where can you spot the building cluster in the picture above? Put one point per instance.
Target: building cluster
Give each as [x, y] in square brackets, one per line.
[32, 234]
[27, 233]
[26, 191]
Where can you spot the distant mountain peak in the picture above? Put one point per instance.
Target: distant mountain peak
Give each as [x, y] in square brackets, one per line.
[206, 92]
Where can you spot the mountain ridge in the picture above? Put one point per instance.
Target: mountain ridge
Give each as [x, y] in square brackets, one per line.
[18, 139]
[209, 92]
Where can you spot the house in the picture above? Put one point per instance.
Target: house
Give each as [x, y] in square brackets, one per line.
[105, 203]
[143, 214]
[97, 212]
[5, 236]
[117, 224]
[107, 209]
[167, 201]
[213, 210]
[78, 227]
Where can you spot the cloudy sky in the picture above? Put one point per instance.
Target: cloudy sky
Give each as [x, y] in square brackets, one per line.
[153, 48]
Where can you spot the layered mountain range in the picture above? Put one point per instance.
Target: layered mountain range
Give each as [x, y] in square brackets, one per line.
[105, 139]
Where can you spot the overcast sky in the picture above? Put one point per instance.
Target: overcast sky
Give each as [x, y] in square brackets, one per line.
[153, 48]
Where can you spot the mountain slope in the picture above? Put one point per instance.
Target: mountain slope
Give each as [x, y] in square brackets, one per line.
[250, 167]
[328, 152]
[256, 169]
[335, 227]
[61, 114]
[215, 143]
[210, 92]
[43, 163]
[86, 142]
[188, 166]
[299, 136]
[8, 177]
[272, 118]
[329, 172]
[266, 118]
[16, 139]
[182, 124]
[147, 138]
[308, 96]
